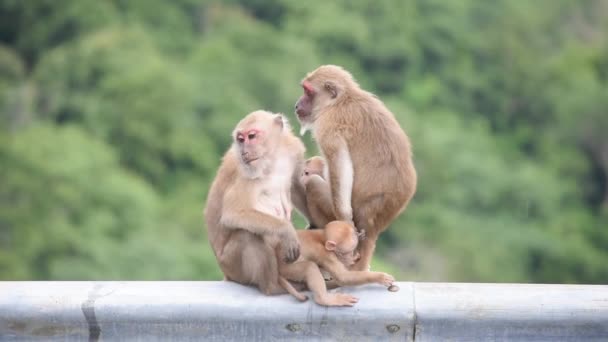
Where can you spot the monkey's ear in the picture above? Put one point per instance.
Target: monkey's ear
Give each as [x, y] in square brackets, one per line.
[331, 89]
[280, 121]
[330, 245]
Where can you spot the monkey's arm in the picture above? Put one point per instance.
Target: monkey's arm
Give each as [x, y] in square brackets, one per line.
[254, 221]
[319, 201]
[341, 177]
[342, 276]
[238, 214]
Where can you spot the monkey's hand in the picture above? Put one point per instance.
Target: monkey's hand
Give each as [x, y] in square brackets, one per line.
[361, 234]
[290, 246]
[384, 278]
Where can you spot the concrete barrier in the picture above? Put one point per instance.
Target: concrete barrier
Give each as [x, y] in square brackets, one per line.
[222, 311]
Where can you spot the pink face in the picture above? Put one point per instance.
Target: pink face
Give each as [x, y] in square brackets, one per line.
[248, 141]
[304, 104]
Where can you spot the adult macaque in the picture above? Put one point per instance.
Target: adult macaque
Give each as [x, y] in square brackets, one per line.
[248, 208]
[318, 194]
[371, 173]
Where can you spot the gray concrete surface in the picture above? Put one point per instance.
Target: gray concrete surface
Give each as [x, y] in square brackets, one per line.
[214, 311]
[511, 312]
[223, 311]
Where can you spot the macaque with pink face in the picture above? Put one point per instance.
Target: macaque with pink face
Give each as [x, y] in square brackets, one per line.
[368, 155]
[248, 211]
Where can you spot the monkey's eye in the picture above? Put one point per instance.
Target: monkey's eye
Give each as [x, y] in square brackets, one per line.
[251, 136]
[306, 173]
[240, 139]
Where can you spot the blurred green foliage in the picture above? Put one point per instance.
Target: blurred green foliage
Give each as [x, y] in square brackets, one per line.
[114, 116]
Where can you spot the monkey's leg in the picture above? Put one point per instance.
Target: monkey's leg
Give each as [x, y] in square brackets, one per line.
[309, 272]
[247, 260]
[371, 218]
[268, 279]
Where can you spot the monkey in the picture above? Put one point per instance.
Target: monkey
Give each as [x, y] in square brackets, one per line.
[333, 249]
[318, 194]
[248, 208]
[248, 211]
[369, 157]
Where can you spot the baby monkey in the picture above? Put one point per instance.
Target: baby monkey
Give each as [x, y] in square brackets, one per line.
[332, 249]
[318, 193]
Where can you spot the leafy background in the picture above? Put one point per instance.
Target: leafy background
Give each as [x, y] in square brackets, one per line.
[114, 116]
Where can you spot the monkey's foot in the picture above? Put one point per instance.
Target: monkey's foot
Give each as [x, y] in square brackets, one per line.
[336, 299]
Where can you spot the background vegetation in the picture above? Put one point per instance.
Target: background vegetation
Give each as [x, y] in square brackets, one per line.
[114, 116]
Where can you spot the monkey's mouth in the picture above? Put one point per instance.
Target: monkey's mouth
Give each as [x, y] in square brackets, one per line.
[250, 160]
[301, 114]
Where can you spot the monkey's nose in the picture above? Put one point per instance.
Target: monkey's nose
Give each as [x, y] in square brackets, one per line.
[296, 106]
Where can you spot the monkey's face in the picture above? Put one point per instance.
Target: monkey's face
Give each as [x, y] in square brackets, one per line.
[347, 250]
[257, 137]
[347, 254]
[305, 177]
[250, 142]
[343, 241]
[317, 96]
[304, 105]
[312, 167]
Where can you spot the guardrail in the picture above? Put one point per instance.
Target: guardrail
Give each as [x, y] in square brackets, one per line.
[224, 311]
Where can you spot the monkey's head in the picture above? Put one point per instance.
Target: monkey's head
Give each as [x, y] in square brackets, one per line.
[256, 138]
[323, 87]
[341, 238]
[313, 166]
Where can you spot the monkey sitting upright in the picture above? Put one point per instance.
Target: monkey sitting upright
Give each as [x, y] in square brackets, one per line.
[318, 194]
[333, 249]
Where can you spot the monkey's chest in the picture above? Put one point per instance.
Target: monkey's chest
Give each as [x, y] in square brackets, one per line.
[274, 199]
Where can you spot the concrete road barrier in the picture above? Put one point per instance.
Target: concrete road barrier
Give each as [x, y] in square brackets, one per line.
[223, 311]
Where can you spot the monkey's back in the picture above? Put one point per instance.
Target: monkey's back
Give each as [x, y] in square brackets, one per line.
[379, 148]
[213, 208]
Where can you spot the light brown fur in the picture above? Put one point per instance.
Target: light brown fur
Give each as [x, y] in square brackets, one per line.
[333, 249]
[352, 125]
[248, 207]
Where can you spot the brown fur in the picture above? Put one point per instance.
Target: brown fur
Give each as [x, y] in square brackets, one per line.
[347, 121]
[318, 194]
